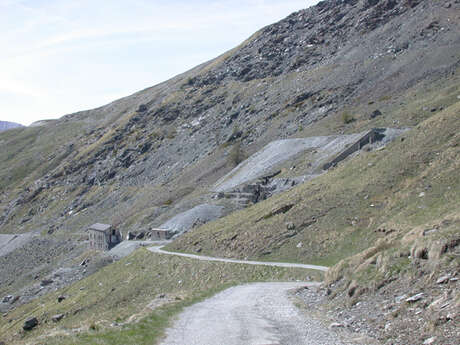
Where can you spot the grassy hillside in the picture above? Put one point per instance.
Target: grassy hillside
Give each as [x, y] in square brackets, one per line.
[388, 222]
[412, 182]
[105, 307]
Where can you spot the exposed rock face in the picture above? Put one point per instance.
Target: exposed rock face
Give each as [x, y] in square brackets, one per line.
[30, 323]
[375, 113]
[46, 282]
[6, 299]
[57, 317]
[308, 38]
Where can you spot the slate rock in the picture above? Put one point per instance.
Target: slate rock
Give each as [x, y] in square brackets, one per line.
[235, 136]
[336, 325]
[46, 282]
[6, 299]
[142, 108]
[57, 317]
[443, 279]
[399, 299]
[415, 298]
[144, 148]
[61, 298]
[290, 226]
[375, 113]
[30, 323]
[429, 341]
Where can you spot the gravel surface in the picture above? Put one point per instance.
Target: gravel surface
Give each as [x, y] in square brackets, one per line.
[279, 151]
[127, 247]
[253, 314]
[8, 243]
[199, 214]
[263, 263]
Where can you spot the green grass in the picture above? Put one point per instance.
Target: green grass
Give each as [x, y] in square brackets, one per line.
[146, 331]
[347, 118]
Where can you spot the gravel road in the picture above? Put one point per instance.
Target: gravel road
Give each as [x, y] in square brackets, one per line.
[158, 250]
[252, 314]
[127, 247]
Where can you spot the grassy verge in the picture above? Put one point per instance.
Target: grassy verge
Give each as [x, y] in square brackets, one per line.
[146, 331]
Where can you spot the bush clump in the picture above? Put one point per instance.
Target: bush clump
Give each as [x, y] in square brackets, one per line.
[347, 118]
[236, 155]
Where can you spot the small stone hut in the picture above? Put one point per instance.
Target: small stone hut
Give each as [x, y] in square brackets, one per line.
[103, 236]
[160, 234]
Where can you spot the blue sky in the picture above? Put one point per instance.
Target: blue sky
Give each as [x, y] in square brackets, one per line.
[62, 56]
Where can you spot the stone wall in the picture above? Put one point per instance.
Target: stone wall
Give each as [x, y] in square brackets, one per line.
[370, 137]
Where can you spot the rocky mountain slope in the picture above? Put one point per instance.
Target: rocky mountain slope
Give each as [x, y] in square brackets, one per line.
[5, 125]
[292, 79]
[330, 71]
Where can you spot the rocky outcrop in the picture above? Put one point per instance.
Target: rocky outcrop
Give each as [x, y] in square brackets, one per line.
[260, 190]
[30, 323]
[306, 39]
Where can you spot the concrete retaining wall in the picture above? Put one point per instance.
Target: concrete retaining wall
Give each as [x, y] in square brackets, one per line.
[370, 137]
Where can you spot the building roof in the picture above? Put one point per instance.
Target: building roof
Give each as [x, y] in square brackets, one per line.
[100, 227]
[164, 230]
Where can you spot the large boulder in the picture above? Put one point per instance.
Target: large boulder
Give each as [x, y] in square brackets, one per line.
[6, 299]
[375, 113]
[57, 317]
[30, 323]
[46, 282]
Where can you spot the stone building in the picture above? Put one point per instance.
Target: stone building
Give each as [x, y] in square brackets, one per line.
[160, 234]
[103, 236]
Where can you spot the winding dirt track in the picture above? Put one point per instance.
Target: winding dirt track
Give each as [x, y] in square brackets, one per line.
[251, 314]
[158, 250]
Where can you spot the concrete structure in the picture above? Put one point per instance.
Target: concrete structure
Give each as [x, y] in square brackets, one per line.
[103, 236]
[160, 234]
[369, 137]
